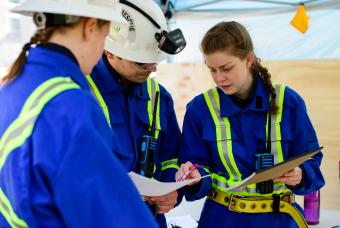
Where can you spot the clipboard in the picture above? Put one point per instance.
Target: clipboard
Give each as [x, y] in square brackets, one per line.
[277, 169]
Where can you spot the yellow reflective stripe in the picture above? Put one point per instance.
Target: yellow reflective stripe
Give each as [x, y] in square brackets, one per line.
[229, 146]
[158, 111]
[99, 98]
[224, 144]
[218, 133]
[24, 124]
[172, 163]
[229, 151]
[278, 126]
[148, 83]
[21, 128]
[40, 89]
[173, 166]
[221, 183]
[206, 169]
[8, 212]
[152, 88]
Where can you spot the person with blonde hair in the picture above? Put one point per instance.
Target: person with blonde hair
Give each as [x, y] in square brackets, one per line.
[57, 162]
[240, 126]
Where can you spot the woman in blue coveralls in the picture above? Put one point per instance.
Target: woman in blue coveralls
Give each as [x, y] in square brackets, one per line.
[226, 129]
[127, 94]
[57, 167]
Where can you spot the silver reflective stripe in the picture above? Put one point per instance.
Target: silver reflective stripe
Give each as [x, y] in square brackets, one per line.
[248, 189]
[274, 124]
[11, 217]
[153, 93]
[152, 89]
[170, 162]
[275, 142]
[17, 132]
[21, 128]
[153, 98]
[36, 102]
[223, 135]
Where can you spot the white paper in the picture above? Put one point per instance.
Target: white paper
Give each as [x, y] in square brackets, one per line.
[150, 187]
[185, 221]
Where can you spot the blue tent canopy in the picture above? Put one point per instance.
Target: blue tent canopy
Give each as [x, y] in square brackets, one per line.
[268, 22]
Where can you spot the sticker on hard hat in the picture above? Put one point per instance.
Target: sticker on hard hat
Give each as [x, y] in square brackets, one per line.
[132, 31]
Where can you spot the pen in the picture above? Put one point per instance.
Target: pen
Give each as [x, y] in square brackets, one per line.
[195, 166]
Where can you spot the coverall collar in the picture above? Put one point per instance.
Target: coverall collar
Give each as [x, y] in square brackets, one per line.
[63, 57]
[259, 101]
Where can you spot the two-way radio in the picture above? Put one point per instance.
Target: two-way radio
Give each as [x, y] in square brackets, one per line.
[265, 160]
[149, 146]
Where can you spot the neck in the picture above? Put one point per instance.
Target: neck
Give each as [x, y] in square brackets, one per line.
[245, 92]
[72, 41]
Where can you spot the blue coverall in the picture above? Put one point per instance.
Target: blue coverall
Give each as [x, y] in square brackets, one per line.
[129, 120]
[248, 130]
[65, 174]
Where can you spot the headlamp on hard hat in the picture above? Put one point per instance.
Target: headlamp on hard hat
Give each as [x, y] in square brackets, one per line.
[170, 42]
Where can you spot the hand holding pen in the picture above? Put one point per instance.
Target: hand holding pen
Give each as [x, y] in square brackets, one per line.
[188, 171]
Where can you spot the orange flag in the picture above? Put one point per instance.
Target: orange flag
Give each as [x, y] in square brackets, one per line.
[301, 19]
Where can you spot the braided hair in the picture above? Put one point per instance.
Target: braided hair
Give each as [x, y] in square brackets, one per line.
[40, 36]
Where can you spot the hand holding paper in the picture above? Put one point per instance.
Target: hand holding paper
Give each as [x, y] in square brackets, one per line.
[150, 187]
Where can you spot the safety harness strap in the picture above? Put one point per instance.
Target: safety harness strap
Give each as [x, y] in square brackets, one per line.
[277, 203]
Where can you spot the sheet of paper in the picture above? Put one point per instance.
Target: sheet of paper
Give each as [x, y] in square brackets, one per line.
[185, 221]
[150, 187]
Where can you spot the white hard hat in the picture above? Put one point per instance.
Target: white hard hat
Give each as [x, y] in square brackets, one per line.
[142, 40]
[108, 10]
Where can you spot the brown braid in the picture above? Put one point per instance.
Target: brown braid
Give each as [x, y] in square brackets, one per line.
[40, 36]
[266, 77]
[232, 37]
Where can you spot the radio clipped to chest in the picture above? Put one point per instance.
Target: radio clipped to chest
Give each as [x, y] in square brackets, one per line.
[148, 147]
[265, 160]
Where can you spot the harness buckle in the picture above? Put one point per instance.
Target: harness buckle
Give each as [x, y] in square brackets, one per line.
[232, 202]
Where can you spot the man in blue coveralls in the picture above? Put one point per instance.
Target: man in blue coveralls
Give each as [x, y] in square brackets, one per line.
[127, 95]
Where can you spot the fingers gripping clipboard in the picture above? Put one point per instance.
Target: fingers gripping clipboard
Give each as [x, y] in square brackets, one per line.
[277, 169]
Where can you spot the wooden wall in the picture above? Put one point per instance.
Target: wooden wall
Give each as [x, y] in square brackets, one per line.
[318, 82]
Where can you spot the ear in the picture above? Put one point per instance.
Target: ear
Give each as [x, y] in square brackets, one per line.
[250, 59]
[109, 55]
[89, 27]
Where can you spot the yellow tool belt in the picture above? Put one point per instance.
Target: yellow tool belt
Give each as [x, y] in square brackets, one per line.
[259, 204]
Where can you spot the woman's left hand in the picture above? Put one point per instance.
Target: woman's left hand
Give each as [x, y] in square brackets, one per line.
[292, 177]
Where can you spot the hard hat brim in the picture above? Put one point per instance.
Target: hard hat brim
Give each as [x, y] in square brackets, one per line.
[135, 55]
[107, 13]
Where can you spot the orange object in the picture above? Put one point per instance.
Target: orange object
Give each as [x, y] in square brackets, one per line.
[301, 19]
